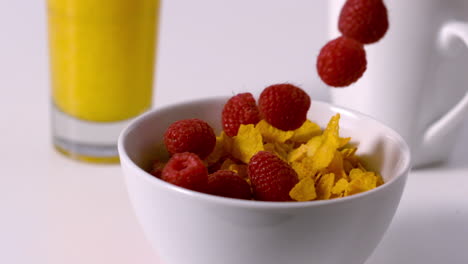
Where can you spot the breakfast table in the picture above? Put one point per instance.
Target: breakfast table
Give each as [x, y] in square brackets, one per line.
[57, 210]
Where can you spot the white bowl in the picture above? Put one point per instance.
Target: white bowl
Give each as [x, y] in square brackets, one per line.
[187, 227]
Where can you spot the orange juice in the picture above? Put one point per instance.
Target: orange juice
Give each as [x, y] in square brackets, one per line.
[102, 57]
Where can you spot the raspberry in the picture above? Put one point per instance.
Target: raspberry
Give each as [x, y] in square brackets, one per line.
[157, 168]
[228, 184]
[190, 135]
[186, 170]
[239, 109]
[271, 178]
[284, 106]
[341, 62]
[364, 20]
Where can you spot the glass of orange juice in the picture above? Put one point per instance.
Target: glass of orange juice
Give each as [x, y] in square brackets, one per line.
[102, 56]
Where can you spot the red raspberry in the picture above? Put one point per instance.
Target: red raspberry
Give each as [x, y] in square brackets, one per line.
[186, 170]
[341, 62]
[364, 20]
[284, 106]
[239, 109]
[190, 135]
[271, 178]
[157, 168]
[228, 184]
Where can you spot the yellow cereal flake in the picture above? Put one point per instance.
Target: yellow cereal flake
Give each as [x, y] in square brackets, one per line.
[298, 154]
[326, 165]
[273, 134]
[324, 186]
[350, 155]
[282, 149]
[240, 169]
[341, 188]
[271, 148]
[226, 164]
[347, 166]
[227, 142]
[304, 190]
[355, 173]
[287, 147]
[330, 142]
[336, 164]
[348, 152]
[313, 144]
[343, 175]
[247, 143]
[344, 141]
[218, 151]
[303, 168]
[361, 181]
[307, 131]
[333, 126]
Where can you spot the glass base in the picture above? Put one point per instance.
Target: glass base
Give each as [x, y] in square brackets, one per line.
[75, 151]
[86, 140]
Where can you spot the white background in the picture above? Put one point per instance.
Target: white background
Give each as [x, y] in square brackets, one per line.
[56, 210]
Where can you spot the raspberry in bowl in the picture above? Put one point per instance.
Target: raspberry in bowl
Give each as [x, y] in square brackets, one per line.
[195, 226]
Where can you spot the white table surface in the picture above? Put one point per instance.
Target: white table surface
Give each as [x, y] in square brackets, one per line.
[56, 210]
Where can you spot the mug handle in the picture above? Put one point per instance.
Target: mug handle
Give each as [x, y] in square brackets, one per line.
[448, 33]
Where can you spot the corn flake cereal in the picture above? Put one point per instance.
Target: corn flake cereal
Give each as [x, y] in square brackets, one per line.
[330, 143]
[271, 148]
[343, 142]
[303, 168]
[332, 164]
[304, 190]
[227, 142]
[283, 149]
[273, 134]
[361, 181]
[307, 131]
[326, 164]
[324, 186]
[240, 169]
[336, 164]
[219, 150]
[348, 152]
[341, 188]
[226, 164]
[247, 143]
[313, 144]
[298, 154]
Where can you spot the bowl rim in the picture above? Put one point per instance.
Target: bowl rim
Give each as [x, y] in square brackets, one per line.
[403, 166]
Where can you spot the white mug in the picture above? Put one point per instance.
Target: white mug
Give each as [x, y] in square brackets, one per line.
[417, 74]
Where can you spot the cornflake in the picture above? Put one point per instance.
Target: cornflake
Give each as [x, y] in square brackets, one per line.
[326, 164]
[247, 143]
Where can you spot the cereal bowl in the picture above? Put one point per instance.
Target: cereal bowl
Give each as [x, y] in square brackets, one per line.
[185, 226]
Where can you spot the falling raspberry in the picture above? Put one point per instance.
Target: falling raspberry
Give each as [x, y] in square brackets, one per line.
[190, 135]
[284, 106]
[228, 184]
[341, 62]
[271, 178]
[239, 109]
[364, 20]
[186, 170]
